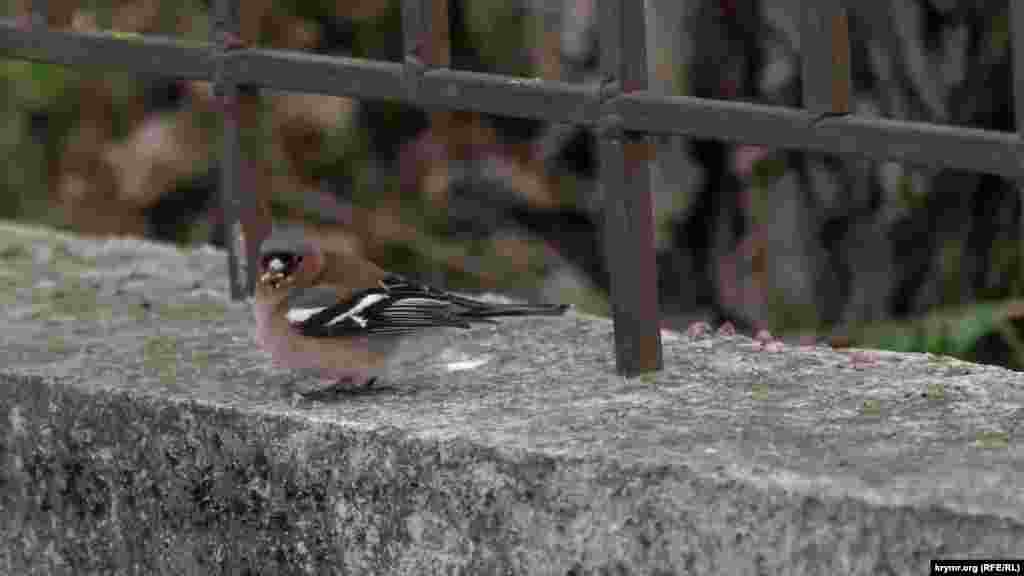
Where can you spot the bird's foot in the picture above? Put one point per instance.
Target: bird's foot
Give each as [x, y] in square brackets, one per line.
[344, 386]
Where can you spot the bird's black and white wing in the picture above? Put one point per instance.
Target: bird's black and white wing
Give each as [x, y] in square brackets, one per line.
[377, 311]
[395, 307]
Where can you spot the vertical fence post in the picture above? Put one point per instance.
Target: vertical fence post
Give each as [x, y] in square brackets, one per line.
[626, 184]
[225, 33]
[546, 21]
[39, 13]
[426, 44]
[1017, 57]
[439, 54]
[825, 57]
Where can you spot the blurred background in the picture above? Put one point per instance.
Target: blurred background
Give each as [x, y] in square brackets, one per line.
[810, 246]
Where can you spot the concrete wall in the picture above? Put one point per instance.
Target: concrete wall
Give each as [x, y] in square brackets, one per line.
[143, 432]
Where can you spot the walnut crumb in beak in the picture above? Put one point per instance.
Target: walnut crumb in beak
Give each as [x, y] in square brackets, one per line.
[278, 269]
[274, 275]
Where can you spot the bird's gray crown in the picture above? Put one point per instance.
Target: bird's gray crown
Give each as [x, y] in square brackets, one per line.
[285, 240]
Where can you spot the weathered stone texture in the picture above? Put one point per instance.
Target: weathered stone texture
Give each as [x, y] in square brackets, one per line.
[143, 433]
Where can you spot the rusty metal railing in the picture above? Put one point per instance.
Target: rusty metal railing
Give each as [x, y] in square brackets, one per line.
[621, 110]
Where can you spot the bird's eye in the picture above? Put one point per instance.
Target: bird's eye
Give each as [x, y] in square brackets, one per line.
[281, 263]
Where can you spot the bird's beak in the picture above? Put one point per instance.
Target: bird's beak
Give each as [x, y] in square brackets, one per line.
[275, 273]
[272, 278]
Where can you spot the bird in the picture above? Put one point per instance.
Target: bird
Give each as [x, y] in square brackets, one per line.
[335, 313]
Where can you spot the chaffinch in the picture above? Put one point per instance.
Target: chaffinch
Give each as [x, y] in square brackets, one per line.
[343, 317]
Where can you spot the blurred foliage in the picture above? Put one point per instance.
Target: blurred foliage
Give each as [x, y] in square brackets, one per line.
[497, 28]
[984, 332]
[42, 109]
[987, 332]
[27, 137]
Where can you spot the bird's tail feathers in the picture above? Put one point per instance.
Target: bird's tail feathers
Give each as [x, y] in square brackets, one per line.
[484, 310]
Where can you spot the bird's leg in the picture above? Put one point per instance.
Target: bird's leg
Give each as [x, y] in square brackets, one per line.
[347, 384]
[339, 386]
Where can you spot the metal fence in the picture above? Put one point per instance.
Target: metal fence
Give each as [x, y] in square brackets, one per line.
[621, 111]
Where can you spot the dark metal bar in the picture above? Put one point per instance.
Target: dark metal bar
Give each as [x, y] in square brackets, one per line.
[1017, 37]
[440, 44]
[225, 33]
[435, 88]
[40, 13]
[143, 54]
[301, 72]
[842, 68]
[414, 28]
[438, 55]
[510, 96]
[425, 39]
[610, 33]
[825, 57]
[427, 47]
[956, 147]
[625, 178]
[1017, 58]
[230, 202]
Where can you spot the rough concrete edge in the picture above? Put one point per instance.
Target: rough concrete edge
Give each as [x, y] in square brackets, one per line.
[631, 519]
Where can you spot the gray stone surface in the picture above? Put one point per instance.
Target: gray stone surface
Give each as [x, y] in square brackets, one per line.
[144, 433]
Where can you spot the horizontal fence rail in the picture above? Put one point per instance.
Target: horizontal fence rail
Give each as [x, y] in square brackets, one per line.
[621, 110]
[988, 151]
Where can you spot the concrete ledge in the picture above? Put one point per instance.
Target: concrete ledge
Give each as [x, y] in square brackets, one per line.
[144, 433]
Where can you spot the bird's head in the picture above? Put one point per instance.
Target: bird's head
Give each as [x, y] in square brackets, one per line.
[287, 258]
